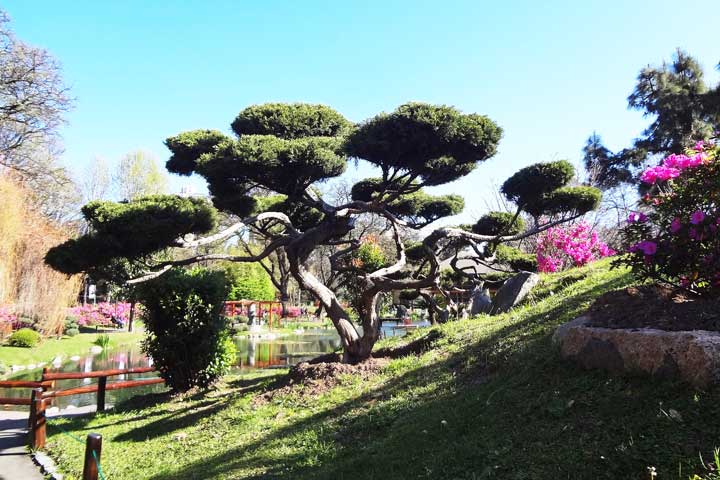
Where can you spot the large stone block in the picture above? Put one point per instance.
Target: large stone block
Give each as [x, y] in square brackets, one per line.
[513, 291]
[693, 356]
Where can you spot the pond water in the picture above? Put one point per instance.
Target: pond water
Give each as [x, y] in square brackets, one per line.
[279, 352]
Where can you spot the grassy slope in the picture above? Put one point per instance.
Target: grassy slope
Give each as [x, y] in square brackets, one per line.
[66, 346]
[490, 400]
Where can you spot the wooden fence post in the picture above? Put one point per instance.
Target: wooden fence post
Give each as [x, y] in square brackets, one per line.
[31, 417]
[37, 429]
[46, 370]
[102, 383]
[92, 444]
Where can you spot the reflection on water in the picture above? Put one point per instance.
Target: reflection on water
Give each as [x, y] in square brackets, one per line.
[277, 352]
[285, 351]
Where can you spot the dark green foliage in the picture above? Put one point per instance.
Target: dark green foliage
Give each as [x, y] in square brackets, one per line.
[684, 108]
[164, 216]
[415, 252]
[248, 281]
[283, 147]
[286, 166]
[187, 147]
[187, 337]
[131, 230]
[676, 95]
[25, 337]
[515, 258]
[290, 121]
[301, 216]
[416, 206]
[438, 143]
[366, 190]
[498, 223]
[450, 278]
[605, 169]
[421, 208]
[576, 200]
[532, 183]
[409, 295]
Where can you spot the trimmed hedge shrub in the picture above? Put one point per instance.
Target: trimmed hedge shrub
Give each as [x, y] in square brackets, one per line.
[24, 337]
[516, 258]
[498, 223]
[187, 333]
[71, 332]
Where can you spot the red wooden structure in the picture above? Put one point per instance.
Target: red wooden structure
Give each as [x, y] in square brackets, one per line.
[240, 307]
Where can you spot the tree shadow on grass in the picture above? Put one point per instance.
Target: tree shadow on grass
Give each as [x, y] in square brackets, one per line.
[394, 433]
[176, 420]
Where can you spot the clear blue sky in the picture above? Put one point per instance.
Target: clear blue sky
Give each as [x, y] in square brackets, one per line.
[550, 73]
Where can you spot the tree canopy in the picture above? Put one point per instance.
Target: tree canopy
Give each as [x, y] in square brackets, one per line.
[267, 174]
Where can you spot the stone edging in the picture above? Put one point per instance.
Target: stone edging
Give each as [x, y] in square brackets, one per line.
[693, 356]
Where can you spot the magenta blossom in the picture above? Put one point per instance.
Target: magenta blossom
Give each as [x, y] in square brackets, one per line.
[697, 217]
[637, 217]
[561, 247]
[661, 173]
[675, 225]
[646, 246]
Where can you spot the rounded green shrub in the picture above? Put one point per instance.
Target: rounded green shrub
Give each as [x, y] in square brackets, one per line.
[498, 223]
[187, 333]
[532, 183]
[71, 332]
[24, 337]
[516, 258]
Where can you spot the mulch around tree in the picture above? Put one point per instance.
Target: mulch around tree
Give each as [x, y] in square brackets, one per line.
[655, 306]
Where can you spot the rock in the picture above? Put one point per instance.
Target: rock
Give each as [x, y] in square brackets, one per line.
[96, 349]
[693, 356]
[75, 358]
[513, 291]
[562, 330]
[480, 301]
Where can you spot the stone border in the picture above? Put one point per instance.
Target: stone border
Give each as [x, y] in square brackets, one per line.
[693, 356]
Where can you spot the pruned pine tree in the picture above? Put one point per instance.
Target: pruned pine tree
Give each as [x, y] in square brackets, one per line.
[289, 148]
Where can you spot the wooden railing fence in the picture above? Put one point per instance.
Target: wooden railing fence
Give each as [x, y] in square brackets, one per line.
[41, 393]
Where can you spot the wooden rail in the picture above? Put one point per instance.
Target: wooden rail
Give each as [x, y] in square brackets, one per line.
[41, 395]
[98, 388]
[99, 373]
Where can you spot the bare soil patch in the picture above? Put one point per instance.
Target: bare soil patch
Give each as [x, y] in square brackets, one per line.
[655, 306]
[312, 379]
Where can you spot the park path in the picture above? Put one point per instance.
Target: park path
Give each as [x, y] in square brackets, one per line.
[15, 461]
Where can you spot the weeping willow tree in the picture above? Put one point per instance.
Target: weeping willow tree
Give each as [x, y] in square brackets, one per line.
[284, 151]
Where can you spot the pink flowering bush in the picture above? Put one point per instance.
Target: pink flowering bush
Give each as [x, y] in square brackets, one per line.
[677, 240]
[7, 315]
[575, 245]
[101, 313]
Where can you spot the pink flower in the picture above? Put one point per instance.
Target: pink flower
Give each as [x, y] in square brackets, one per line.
[697, 217]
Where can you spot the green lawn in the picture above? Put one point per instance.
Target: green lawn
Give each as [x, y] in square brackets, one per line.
[65, 347]
[490, 399]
